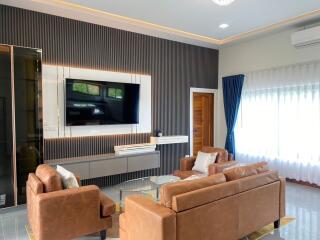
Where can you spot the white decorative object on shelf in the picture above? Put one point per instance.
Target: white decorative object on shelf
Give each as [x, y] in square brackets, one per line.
[134, 148]
[169, 139]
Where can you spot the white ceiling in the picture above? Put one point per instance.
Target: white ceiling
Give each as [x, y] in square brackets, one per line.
[203, 17]
[190, 21]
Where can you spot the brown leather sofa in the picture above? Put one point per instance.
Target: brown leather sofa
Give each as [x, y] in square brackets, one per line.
[55, 213]
[223, 160]
[224, 206]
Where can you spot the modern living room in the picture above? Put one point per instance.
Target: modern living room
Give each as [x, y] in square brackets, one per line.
[167, 120]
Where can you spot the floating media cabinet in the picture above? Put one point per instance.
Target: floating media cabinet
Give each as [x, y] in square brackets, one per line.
[88, 167]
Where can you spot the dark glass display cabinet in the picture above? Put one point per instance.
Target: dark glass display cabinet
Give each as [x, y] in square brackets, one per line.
[21, 132]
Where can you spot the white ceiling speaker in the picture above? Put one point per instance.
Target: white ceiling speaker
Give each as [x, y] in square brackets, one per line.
[223, 2]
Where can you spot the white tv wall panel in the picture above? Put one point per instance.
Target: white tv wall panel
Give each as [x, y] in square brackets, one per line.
[54, 102]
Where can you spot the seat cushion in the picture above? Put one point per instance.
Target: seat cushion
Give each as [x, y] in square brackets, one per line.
[235, 173]
[185, 174]
[168, 191]
[107, 206]
[49, 177]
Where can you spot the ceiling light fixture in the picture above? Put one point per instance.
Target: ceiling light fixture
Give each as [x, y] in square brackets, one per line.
[223, 2]
[224, 25]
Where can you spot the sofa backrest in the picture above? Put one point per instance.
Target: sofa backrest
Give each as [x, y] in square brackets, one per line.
[168, 191]
[216, 218]
[242, 206]
[235, 172]
[206, 195]
[258, 180]
[49, 177]
[202, 196]
[258, 207]
[222, 156]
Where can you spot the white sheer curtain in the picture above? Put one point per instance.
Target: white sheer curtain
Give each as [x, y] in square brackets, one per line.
[279, 120]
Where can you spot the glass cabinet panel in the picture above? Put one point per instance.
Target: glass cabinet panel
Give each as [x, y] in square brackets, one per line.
[28, 115]
[6, 144]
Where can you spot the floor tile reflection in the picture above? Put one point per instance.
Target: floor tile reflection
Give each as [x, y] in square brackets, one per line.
[302, 203]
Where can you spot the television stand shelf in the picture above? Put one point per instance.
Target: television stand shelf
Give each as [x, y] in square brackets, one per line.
[94, 166]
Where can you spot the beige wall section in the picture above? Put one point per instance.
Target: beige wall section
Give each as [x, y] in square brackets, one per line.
[262, 53]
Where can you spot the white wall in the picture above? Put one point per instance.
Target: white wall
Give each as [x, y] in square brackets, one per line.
[54, 102]
[266, 52]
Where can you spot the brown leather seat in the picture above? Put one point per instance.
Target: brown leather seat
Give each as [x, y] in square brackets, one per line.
[57, 213]
[223, 160]
[210, 208]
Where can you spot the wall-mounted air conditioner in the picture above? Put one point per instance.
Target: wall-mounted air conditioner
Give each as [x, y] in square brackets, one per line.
[306, 37]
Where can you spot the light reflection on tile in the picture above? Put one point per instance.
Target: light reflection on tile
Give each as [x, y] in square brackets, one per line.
[302, 202]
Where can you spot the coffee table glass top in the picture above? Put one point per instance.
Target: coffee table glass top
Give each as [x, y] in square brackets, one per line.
[160, 180]
[145, 186]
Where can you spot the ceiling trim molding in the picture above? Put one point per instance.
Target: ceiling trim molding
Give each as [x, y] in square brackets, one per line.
[272, 27]
[136, 25]
[189, 34]
[133, 21]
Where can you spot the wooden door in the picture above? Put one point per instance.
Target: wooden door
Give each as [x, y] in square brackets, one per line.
[202, 121]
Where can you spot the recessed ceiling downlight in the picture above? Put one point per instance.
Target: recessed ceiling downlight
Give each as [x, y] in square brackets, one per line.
[224, 25]
[223, 2]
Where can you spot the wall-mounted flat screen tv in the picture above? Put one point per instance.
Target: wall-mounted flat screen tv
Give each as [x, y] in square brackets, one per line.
[101, 103]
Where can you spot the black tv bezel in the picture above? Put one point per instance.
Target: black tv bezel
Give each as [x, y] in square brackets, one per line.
[89, 80]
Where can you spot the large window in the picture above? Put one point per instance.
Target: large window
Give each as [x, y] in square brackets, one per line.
[115, 93]
[279, 120]
[84, 88]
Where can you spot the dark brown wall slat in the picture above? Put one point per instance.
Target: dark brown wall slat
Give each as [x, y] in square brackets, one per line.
[173, 66]
[84, 146]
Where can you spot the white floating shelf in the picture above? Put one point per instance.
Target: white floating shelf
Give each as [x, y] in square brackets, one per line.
[169, 139]
[134, 148]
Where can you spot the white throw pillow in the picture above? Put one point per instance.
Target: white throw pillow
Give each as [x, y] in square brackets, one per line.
[203, 161]
[69, 180]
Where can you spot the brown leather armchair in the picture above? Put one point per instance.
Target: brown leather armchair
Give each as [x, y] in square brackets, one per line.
[57, 213]
[223, 160]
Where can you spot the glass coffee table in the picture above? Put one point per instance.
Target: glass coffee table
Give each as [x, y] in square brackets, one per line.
[145, 186]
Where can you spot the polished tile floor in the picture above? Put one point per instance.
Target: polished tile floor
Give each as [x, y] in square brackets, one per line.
[302, 202]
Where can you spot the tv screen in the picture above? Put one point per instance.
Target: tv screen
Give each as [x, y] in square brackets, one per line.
[101, 103]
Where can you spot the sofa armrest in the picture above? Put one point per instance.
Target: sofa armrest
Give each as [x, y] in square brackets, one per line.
[145, 219]
[187, 163]
[230, 157]
[219, 167]
[282, 212]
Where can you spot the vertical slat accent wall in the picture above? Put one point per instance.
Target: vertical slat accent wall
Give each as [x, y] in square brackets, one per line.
[55, 148]
[173, 66]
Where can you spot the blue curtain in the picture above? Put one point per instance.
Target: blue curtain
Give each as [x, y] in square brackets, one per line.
[232, 87]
